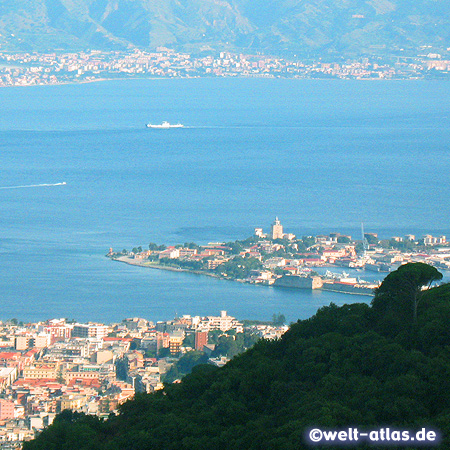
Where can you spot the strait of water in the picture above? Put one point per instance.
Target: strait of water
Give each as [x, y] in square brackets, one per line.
[323, 156]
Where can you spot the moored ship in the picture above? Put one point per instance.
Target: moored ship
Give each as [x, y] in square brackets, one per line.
[350, 288]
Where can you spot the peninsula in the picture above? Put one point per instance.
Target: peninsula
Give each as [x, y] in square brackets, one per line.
[281, 259]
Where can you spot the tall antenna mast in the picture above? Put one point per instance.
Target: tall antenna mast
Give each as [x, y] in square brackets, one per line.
[364, 240]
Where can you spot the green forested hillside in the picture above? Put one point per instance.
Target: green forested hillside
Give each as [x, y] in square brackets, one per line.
[306, 27]
[369, 366]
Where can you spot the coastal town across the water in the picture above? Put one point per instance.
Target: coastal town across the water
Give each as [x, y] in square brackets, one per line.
[26, 69]
[59, 364]
[281, 259]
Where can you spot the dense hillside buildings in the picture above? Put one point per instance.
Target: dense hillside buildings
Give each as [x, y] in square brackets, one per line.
[51, 366]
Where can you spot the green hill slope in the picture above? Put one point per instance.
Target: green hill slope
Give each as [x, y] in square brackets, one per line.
[346, 366]
[307, 27]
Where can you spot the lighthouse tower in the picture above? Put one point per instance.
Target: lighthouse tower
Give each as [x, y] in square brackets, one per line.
[277, 229]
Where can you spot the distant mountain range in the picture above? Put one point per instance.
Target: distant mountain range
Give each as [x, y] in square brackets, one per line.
[305, 27]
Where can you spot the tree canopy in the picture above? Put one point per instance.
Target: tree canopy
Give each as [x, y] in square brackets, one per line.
[402, 290]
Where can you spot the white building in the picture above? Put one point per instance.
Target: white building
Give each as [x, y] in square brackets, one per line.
[259, 233]
[171, 253]
[223, 322]
[91, 330]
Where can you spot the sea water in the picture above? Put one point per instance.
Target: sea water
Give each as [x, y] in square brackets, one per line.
[323, 156]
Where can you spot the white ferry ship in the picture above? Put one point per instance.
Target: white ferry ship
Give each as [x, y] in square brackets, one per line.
[165, 125]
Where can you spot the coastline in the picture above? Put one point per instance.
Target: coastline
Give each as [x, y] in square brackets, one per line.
[62, 83]
[142, 263]
[77, 82]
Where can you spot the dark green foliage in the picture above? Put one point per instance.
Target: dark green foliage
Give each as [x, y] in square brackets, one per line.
[398, 297]
[282, 253]
[235, 247]
[278, 319]
[404, 246]
[230, 343]
[73, 430]
[191, 245]
[284, 242]
[189, 340]
[154, 247]
[371, 239]
[185, 365]
[213, 336]
[342, 367]
[249, 241]
[122, 369]
[179, 263]
[248, 323]
[238, 267]
[308, 241]
[226, 346]
[164, 352]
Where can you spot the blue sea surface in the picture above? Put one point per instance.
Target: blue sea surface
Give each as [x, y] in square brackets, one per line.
[323, 156]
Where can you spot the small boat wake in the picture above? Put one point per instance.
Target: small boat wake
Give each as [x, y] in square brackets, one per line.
[33, 185]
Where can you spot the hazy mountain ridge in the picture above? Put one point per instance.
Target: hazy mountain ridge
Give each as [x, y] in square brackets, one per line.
[303, 26]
